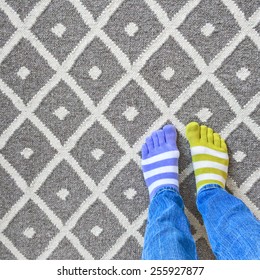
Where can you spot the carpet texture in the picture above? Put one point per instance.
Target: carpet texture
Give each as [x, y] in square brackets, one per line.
[83, 82]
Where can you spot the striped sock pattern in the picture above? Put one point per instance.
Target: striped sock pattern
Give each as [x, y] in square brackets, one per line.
[210, 166]
[160, 160]
[209, 155]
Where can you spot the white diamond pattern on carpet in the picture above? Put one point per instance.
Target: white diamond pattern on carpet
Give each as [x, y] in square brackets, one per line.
[106, 73]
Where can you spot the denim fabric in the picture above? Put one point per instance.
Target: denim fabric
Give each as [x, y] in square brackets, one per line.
[233, 231]
[168, 235]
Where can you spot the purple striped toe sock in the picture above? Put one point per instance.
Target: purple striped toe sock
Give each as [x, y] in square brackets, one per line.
[160, 157]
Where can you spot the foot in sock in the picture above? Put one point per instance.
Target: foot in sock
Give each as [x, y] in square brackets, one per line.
[160, 157]
[209, 155]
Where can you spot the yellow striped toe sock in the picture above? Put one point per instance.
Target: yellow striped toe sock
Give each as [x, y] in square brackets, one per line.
[209, 155]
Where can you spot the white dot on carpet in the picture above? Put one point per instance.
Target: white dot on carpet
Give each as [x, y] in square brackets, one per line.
[207, 29]
[204, 114]
[130, 113]
[94, 73]
[131, 29]
[243, 73]
[168, 73]
[239, 156]
[23, 72]
[97, 154]
[61, 113]
[130, 193]
[27, 153]
[29, 232]
[63, 194]
[96, 230]
[58, 30]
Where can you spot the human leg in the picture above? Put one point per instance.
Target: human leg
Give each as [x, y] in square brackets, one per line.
[167, 233]
[233, 231]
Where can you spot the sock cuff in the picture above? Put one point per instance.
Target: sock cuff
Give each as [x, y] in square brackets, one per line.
[163, 182]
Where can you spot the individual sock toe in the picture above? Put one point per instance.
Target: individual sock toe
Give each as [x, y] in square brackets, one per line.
[203, 133]
[161, 137]
[145, 151]
[170, 134]
[155, 139]
[223, 144]
[216, 138]
[210, 135]
[193, 131]
[149, 143]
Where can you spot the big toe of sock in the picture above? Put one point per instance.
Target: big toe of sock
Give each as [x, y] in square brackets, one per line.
[193, 131]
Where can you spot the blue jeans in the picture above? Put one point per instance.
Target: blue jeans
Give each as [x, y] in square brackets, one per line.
[233, 231]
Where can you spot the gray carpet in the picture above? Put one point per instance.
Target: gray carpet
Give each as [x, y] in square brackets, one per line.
[81, 85]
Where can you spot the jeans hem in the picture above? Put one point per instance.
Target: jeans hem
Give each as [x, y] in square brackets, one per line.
[173, 188]
[208, 187]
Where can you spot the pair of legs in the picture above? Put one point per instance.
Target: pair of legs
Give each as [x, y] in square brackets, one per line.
[233, 231]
